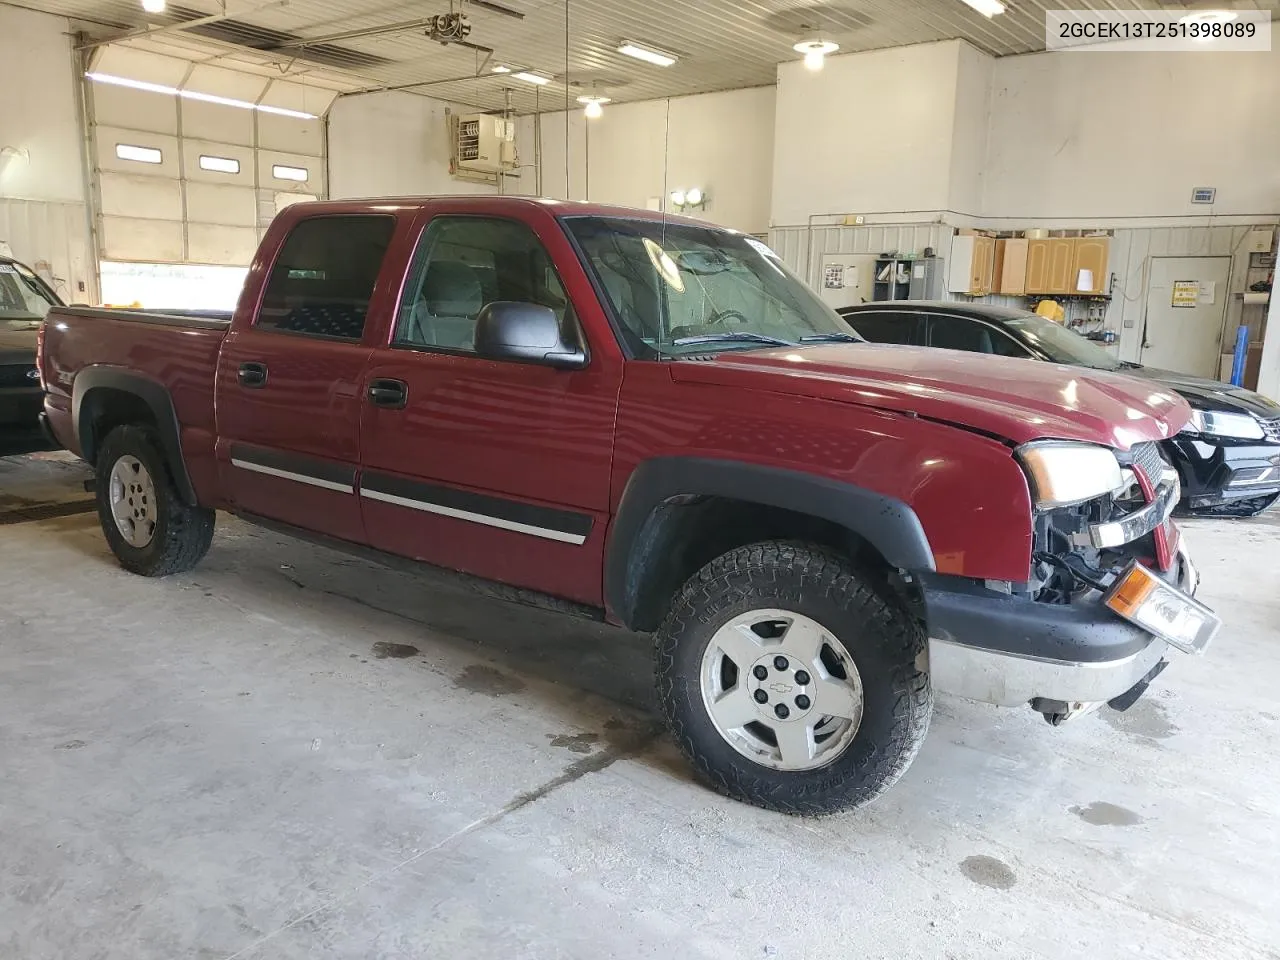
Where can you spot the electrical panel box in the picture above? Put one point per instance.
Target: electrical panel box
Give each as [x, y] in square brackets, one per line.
[484, 143]
[846, 279]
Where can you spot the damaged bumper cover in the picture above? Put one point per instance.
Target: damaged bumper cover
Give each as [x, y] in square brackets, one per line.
[1007, 650]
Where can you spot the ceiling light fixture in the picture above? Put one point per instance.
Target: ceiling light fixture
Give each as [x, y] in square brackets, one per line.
[648, 54]
[532, 78]
[500, 69]
[153, 6]
[815, 51]
[988, 8]
[197, 95]
[594, 106]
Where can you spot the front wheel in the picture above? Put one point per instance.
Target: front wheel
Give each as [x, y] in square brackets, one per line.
[148, 526]
[789, 682]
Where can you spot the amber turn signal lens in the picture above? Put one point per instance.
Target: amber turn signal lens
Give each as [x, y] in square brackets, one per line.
[1132, 591]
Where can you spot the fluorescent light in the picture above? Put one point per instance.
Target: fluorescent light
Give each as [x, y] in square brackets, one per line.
[196, 95]
[500, 69]
[532, 78]
[647, 54]
[153, 6]
[988, 8]
[128, 151]
[219, 164]
[282, 172]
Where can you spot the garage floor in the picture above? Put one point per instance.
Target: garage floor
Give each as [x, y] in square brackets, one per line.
[294, 754]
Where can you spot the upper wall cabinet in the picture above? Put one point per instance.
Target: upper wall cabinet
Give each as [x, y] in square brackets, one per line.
[1090, 273]
[972, 266]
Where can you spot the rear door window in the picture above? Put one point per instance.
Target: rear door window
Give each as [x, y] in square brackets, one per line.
[323, 278]
[886, 326]
[960, 333]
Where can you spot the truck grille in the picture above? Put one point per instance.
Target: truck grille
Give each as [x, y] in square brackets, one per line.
[18, 375]
[1273, 429]
[1148, 458]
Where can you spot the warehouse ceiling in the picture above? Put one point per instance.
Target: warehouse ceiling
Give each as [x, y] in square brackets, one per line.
[356, 45]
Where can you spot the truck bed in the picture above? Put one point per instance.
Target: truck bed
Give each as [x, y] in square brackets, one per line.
[88, 349]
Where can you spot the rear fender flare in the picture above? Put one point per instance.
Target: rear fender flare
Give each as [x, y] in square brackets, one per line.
[158, 401]
[636, 540]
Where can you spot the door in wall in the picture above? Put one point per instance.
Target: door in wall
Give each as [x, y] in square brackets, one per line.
[1186, 302]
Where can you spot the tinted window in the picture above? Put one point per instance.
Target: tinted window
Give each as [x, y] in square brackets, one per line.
[463, 263]
[884, 327]
[323, 278]
[957, 333]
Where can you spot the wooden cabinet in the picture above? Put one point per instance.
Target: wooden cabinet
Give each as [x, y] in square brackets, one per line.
[1091, 254]
[1061, 256]
[1049, 264]
[1011, 267]
[1037, 277]
[972, 265]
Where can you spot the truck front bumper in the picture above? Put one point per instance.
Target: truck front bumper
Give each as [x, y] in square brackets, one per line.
[992, 647]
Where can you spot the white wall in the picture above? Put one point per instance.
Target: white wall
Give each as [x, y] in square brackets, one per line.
[970, 130]
[42, 203]
[392, 144]
[1111, 135]
[869, 133]
[721, 143]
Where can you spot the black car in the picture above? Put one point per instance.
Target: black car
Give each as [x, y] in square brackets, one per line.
[24, 300]
[1228, 459]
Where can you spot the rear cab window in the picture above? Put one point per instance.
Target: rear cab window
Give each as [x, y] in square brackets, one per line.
[323, 278]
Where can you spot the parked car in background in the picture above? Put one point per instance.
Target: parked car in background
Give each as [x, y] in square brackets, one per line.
[1228, 459]
[24, 301]
[651, 421]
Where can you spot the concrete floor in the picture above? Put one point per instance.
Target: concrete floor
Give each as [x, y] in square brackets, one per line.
[293, 754]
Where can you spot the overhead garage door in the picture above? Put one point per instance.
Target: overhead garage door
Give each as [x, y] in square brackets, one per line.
[183, 174]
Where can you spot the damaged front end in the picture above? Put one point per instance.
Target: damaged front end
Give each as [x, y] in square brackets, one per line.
[1062, 640]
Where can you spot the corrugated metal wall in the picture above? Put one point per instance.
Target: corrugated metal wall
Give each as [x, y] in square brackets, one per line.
[40, 232]
[796, 245]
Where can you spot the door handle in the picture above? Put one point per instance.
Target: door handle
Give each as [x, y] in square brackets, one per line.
[252, 374]
[392, 394]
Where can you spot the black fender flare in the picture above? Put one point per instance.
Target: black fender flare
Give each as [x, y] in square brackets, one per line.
[155, 395]
[887, 524]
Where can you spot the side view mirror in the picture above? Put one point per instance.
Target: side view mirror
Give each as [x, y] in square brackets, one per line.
[526, 332]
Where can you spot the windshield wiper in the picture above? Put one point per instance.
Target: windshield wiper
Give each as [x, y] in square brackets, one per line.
[832, 338]
[732, 338]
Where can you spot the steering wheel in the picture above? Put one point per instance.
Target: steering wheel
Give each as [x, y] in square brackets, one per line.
[724, 315]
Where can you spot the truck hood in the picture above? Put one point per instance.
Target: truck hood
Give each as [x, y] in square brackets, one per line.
[1013, 399]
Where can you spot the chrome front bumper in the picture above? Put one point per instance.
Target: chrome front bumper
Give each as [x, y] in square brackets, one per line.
[1010, 679]
[1139, 523]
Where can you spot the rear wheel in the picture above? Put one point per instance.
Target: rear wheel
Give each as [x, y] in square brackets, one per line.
[149, 528]
[789, 683]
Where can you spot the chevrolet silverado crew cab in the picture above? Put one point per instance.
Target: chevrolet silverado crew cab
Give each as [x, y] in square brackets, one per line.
[651, 421]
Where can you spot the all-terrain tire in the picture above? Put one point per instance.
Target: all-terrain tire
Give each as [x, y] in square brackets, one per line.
[182, 532]
[886, 644]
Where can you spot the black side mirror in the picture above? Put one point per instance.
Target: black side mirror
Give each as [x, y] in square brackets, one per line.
[527, 332]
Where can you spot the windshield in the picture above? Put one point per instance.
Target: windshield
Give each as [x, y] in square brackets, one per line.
[1062, 345]
[24, 298]
[678, 289]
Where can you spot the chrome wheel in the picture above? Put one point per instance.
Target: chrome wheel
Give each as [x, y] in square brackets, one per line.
[781, 689]
[132, 496]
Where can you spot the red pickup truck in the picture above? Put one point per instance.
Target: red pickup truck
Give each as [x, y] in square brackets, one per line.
[651, 421]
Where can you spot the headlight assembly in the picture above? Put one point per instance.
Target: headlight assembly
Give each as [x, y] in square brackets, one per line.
[1234, 426]
[1065, 473]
